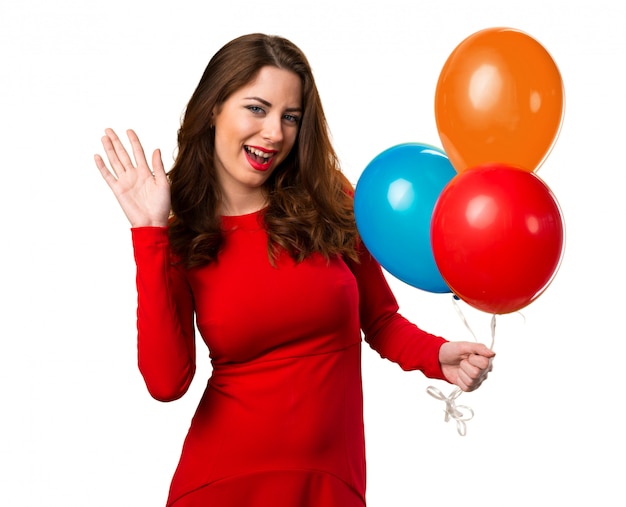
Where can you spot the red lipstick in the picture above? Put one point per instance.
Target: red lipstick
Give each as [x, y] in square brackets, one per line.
[259, 158]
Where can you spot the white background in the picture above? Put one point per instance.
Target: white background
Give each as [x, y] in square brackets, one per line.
[78, 428]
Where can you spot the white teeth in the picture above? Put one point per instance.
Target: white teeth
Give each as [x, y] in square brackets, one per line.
[258, 153]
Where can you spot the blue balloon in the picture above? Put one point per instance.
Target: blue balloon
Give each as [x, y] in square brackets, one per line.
[393, 204]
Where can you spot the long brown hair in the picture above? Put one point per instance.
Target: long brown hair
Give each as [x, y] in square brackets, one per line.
[310, 204]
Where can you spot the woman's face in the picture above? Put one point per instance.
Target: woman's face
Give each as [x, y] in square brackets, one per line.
[255, 129]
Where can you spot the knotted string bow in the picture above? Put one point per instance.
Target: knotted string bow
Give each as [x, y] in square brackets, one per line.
[453, 411]
[460, 413]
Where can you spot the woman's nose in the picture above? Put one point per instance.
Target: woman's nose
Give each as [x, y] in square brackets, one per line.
[273, 128]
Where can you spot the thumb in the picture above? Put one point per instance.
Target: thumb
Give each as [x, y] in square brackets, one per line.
[479, 349]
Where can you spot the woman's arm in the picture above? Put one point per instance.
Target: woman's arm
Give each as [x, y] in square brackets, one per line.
[165, 307]
[465, 364]
[388, 332]
[165, 327]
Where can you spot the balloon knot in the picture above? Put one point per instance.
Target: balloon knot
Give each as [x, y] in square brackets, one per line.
[460, 413]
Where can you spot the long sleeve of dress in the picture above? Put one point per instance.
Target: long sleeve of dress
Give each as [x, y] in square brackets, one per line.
[165, 329]
[385, 330]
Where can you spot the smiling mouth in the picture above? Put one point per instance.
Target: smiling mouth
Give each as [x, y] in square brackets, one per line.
[259, 159]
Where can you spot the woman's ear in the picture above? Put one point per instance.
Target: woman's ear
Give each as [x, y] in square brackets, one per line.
[214, 113]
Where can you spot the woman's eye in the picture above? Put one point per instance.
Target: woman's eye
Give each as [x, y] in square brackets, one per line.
[291, 118]
[256, 109]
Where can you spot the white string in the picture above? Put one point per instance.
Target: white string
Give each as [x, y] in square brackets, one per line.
[460, 413]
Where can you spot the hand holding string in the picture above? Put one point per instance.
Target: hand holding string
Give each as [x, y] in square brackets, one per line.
[467, 366]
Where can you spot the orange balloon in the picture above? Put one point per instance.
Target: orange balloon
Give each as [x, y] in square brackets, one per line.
[499, 99]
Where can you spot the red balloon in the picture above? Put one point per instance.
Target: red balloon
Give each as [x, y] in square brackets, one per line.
[497, 237]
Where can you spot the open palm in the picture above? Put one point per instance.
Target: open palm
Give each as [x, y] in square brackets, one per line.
[143, 194]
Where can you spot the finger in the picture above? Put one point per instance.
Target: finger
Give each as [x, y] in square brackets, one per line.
[116, 153]
[157, 166]
[481, 349]
[483, 366]
[481, 362]
[104, 171]
[470, 381]
[109, 150]
[138, 153]
[468, 372]
[475, 385]
[464, 384]
[473, 373]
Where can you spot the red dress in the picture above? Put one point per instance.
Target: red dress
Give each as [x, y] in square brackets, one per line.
[281, 421]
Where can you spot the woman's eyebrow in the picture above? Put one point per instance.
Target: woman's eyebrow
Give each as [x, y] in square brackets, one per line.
[269, 104]
[262, 101]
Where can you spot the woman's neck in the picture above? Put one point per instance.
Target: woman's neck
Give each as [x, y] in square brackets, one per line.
[234, 205]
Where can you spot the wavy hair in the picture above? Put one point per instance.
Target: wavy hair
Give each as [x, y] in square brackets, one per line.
[310, 206]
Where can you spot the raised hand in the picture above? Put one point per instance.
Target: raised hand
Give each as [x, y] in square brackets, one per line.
[143, 194]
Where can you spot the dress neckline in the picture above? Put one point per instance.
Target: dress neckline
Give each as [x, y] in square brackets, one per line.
[249, 221]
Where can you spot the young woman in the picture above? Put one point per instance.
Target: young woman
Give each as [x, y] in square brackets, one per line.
[252, 234]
